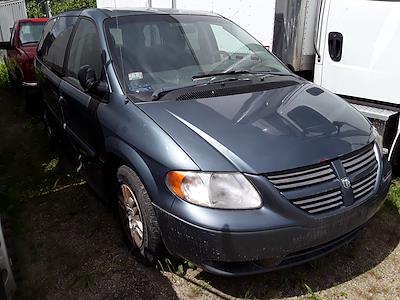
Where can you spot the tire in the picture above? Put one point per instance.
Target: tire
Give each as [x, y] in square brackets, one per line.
[135, 206]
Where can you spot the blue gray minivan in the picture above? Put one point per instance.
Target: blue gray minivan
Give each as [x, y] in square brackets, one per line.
[211, 147]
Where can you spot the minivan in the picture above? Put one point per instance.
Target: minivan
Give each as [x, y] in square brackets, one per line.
[210, 147]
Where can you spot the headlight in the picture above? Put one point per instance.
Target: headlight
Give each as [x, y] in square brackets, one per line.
[378, 140]
[217, 190]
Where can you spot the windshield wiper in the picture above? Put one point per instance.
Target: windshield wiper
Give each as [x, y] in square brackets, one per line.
[159, 92]
[30, 42]
[222, 74]
[271, 73]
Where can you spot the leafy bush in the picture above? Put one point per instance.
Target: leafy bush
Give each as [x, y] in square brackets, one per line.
[394, 194]
[35, 8]
[3, 75]
[58, 7]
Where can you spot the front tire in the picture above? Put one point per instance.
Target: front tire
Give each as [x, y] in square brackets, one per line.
[137, 216]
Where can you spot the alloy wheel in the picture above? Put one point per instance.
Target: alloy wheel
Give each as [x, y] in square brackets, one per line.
[131, 215]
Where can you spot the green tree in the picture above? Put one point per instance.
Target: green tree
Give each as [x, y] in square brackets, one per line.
[35, 8]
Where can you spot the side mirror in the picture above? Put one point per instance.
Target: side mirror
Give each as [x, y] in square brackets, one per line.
[87, 78]
[290, 67]
[5, 45]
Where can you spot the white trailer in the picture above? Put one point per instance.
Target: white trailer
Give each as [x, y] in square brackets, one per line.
[10, 11]
[349, 47]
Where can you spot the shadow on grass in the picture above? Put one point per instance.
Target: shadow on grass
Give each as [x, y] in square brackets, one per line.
[374, 243]
[73, 248]
[69, 243]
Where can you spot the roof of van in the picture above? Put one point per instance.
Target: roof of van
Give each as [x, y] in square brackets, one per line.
[164, 11]
[129, 11]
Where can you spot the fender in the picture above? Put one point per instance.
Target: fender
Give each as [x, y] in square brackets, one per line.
[135, 161]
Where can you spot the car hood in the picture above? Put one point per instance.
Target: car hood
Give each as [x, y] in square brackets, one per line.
[262, 132]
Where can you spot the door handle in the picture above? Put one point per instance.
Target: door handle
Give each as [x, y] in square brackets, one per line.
[335, 45]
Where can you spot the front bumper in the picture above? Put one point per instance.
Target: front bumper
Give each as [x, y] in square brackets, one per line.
[241, 247]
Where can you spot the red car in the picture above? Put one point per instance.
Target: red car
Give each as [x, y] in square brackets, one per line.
[21, 51]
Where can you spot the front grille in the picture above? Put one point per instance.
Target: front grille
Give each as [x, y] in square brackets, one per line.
[290, 182]
[361, 161]
[297, 179]
[317, 190]
[320, 202]
[364, 166]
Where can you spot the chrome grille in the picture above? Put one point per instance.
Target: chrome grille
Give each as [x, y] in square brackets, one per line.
[317, 190]
[320, 202]
[360, 162]
[298, 179]
[364, 167]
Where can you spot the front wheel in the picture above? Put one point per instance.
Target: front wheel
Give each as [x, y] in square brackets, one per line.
[137, 216]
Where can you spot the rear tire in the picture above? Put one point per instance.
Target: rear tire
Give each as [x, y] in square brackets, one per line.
[137, 216]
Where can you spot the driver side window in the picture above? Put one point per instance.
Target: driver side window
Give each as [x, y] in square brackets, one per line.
[85, 50]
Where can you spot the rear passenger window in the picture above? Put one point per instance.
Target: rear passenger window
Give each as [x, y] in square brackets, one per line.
[52, 48]
[85, 50]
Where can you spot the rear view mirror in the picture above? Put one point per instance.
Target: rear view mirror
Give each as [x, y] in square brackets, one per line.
[5, 45]
[87, 78]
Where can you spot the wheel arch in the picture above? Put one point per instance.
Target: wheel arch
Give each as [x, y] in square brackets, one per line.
[119, 153]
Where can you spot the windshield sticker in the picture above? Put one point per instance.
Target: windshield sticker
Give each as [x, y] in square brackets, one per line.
[135, 76]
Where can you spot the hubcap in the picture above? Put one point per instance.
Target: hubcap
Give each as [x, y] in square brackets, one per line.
[131, 215]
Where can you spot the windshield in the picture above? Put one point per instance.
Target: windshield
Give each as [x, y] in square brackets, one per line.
[30, 32]
[153, 52]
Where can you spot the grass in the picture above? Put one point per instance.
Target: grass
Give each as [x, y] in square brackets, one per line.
[3, 75]
[311, 294]
[29, 163]
[393, 197]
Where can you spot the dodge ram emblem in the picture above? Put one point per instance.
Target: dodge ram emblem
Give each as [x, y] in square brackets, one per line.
[346, 182]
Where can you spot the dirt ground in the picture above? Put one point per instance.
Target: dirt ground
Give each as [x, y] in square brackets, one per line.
[71, 246]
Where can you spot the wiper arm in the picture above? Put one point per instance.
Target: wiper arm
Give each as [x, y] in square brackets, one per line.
[270, 73]
[159, 92]
[30, 42]
[222, 74]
